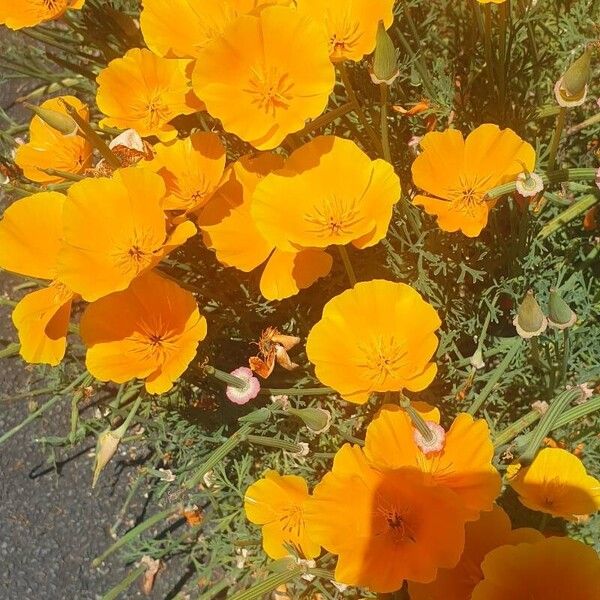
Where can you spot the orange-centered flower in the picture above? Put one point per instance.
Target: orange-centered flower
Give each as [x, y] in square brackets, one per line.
[144, 92]
[276, 502]
[386, 526]
[464, 464]
[150, 331]
[29, 13]
[31, 231]
[228, 228]
[335, 195]
[351, 25]
[376, 337]
[49, 149]
[549, 569]
[265, 75]
[557, 483]
[458, 173]
[114, 230]
[192, 170]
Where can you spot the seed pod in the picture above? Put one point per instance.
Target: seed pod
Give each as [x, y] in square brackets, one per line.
[560, 315]
[530, 321]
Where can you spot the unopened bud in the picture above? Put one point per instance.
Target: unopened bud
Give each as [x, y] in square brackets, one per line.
[317, 420]
[256, 417]
[62, 122]
[385, 61]
[108, 442]
[530, 321]
[560, 315]
[571, 88]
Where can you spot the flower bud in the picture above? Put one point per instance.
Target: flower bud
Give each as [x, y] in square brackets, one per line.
[530, 321]
[385, 61]
[571, 88]
[108, 442]
[317, 420]
[55, 119]
[256, 417]
[560, 315]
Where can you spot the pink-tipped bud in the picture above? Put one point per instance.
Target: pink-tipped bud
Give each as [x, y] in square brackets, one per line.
[247, 392]
[436, 441]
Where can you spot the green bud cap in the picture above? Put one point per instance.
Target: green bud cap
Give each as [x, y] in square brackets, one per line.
[385, 62]
[57, 120]
[560, 314]
[530, 321]
[578, 74]
[317, 420]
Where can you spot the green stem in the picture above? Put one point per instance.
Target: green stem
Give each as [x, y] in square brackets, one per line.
[328, 117]
[318, 391]
[514, 429]
[219, 454]
[566, 355]
[63, 174]
[558, 129]
[225, 377]
[415, 417]
[495, 378]
[487, 11]
[123, 586]
[565, 217]
[421, 70]
[385, 132]
[136, 532]
[351, 94]
[271, 583]
[10, 350]
[271, 442]
[347, 265]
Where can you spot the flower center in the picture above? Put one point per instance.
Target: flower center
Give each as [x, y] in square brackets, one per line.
[270, 90]
[385, 358]
[157, 112]
[291, 520]
[396, 524]
[52, 4]
[334, 217]
[470, 195]
[344, 40]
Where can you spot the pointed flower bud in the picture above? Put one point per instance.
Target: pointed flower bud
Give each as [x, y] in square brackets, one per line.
[57, 120]
[530, 321]
[317, 420]
[560, 315]
[108, 442]
[571, 88]
[385, 61]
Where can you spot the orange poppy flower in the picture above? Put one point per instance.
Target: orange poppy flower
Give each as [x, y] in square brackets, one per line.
[376, 337]
[493, 529]
[29, 13]
[266, 75]
[557, 483]
[464, 464]
[458, 173]
[335, 195]
[150, 331]
[550, 569]
[228, 213]
[30, 240]
[396, 527]
[276, 502]
[191, 168]
[351, 26]
[194, 27]
[114, 230]
[144, 92]
[49, 149]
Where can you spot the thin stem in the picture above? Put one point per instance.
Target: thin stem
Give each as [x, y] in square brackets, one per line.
[351, 94]
[566, 356]
[495, 378]
[487, 12]
[259, 590]
[318, 391]
[421, 70]
[415, 417]
[271, 442]
[62, 174]
[124, 584]
[10, 350]
[558, 129]
[385, 133]
[347, 265]
[225, 377]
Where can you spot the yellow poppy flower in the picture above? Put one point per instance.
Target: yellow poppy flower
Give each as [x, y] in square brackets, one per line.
[557, 483]
[376, 337]
[144, 92]
[228, 214]
[276, 502]
[385, 527]
[464, 464]
[351, 24]
[266, 75]
[549, 569]
[150, 331]
[195, 25]
[491, 530]
[29, 13]
[49, 149]
[114, 230]
[335, 195]
[458, 173]
[191, 168]
[30, 240]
